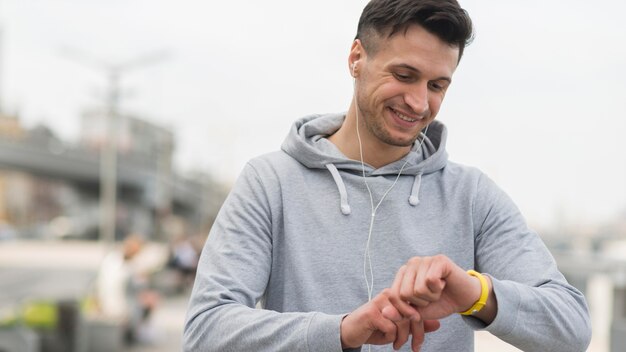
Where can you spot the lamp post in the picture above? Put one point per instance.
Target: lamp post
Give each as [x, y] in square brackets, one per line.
[108, 151]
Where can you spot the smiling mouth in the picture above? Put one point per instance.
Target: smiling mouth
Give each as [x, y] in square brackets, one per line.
[403, 117]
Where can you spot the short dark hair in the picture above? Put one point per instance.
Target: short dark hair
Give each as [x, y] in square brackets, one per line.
[443, 18]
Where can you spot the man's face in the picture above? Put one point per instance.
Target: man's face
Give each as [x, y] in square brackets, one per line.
[400, 87]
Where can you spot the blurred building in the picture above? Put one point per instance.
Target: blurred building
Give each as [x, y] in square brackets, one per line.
[49, 188]
[139, 143]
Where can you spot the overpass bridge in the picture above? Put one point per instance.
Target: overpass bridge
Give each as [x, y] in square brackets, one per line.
[144, 180]
[54, 159]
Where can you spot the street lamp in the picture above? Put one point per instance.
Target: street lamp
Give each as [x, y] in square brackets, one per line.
[108, 152]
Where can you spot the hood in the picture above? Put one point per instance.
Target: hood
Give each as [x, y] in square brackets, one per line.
[307, 143]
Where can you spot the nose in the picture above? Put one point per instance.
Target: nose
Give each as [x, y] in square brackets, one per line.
[417, 98]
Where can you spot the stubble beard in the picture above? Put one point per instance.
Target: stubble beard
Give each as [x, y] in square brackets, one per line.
[374, 123]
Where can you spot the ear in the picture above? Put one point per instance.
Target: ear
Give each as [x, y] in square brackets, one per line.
[356, 54]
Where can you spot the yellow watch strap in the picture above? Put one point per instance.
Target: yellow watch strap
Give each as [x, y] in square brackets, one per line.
[484, 294]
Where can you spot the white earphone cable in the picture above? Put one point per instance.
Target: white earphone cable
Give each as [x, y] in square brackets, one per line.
[367, 259]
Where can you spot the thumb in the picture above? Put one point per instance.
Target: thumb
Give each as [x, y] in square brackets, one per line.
[391, 313]
[431, 325]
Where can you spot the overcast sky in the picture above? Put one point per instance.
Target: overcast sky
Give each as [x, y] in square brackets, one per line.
[537, 102]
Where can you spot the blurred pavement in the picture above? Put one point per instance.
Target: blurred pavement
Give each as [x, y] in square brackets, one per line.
[168, 320]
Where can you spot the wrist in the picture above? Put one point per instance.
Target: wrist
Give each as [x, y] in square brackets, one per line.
[489, 312]
[483, 297]
[342, 334]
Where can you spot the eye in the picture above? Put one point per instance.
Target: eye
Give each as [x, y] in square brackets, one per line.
[437, 86]
[403, 77]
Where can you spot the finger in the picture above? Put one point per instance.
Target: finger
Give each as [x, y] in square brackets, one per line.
[408, 280]
[411, 279]
[429, 282]
[402, 334]
[414, 290]
[418, 302]
[420, 289]
[434, 280]
[435, 285]
[394, 296]
[386, 327]
[397, 281]
[389, 330]
[390, 312]
[402, 330]
[417, 333]
[431, 325]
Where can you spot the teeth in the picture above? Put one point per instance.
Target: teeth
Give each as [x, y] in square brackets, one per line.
[404, 117]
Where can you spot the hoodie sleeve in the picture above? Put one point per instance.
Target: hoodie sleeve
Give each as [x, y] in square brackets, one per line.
[538, 310]
[232, 275]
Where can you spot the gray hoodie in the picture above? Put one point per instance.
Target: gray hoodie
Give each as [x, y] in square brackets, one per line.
[292, 236]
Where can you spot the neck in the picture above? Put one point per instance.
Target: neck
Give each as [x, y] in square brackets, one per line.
[375, 152]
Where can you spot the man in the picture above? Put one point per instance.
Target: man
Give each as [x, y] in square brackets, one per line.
[360, 231]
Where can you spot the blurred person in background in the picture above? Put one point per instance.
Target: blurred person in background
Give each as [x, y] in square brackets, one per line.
[124, 292]
[361, 231]
[184, 259]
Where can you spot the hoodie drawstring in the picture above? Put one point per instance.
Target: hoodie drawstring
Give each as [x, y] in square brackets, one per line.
[343, 194]
[413, 198]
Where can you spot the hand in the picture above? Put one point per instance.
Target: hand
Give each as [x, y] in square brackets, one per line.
[378, 322]
[436, 287]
